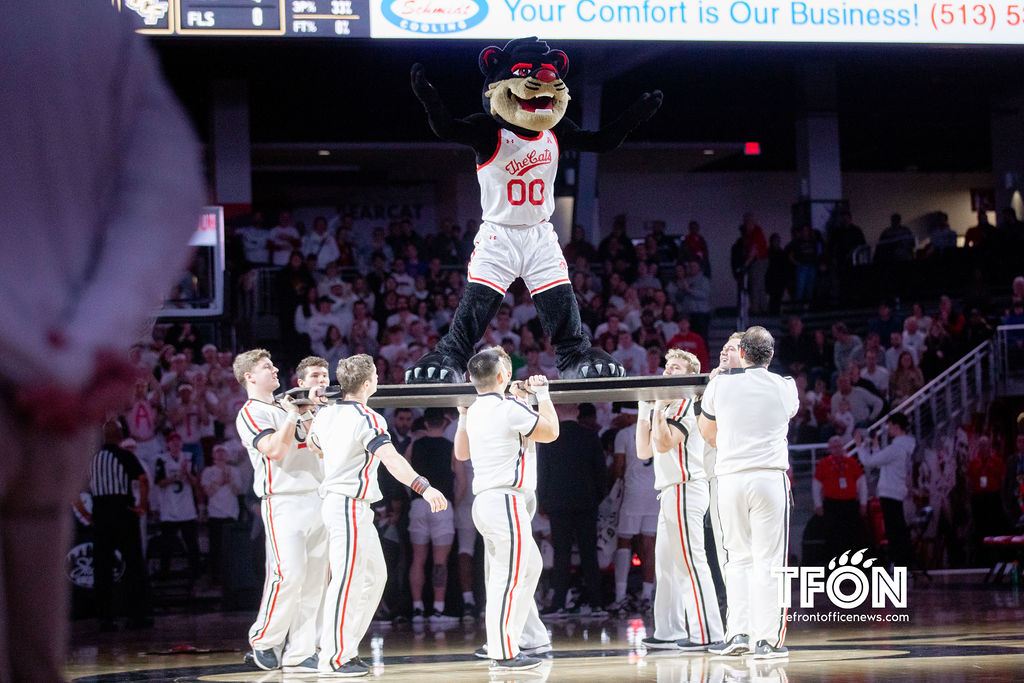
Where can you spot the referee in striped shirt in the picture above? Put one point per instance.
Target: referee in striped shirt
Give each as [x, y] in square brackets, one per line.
[115, 521]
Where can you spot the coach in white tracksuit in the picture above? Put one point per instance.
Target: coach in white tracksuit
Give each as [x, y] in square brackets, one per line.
[686, 613]
[745, 413]
[499, 435]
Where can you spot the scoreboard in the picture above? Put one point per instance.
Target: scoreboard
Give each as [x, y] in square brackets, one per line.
[313, 18]
[928, 22]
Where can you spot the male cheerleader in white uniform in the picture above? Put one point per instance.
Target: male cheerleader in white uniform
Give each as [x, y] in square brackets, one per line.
[286, 478]
[500, 434]
[745, 413]
[354, 441]
[686, 614]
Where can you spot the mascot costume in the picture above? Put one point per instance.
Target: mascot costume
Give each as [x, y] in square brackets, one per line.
[517, 144]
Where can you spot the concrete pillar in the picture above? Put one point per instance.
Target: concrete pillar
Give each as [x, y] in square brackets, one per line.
[1008, 149]
[817, 141]
[232, 163]
[586, 212]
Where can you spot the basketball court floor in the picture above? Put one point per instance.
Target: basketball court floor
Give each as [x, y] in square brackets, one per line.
[954, 628]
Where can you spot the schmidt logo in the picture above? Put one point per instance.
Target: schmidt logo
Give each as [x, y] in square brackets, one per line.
[434, 16]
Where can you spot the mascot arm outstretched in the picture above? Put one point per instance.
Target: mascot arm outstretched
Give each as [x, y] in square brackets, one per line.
[478, 131]
[572, 137]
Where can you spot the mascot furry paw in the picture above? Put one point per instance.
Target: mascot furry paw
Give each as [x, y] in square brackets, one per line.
[517, 144]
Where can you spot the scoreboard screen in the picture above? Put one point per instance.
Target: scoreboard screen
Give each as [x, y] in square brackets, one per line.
[313, 18]
[928, 22]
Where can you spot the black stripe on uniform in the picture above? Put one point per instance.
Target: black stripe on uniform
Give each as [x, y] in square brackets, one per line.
[341, 590]
[362, 483]
[785, 556]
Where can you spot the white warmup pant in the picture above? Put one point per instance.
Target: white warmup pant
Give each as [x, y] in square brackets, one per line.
[716, 525]
[296, 547]
[685, 604]
[358, 576]
[755, 518]
[513, 565]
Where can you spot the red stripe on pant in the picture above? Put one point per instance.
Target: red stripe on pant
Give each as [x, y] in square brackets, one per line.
[689, 569]
[277, 585]
[351, 561]
[515, 580]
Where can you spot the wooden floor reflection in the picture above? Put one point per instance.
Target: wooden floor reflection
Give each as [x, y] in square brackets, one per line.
[957, 630]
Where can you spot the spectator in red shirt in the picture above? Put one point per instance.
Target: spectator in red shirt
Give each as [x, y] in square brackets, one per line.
[840, 494]
[985, 474]
[688, 340]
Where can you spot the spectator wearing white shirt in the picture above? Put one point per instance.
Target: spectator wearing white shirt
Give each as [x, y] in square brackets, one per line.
[255, 238]
[875, 373]
[632, 356]
[524, 311]
[893, 464]
[913, 336]
[342, 299]
[221, 482]
[284, 238]
[322, 318]
[404, 283]
[865, 406]
[896, 348]
[403, 315]
[320, 244]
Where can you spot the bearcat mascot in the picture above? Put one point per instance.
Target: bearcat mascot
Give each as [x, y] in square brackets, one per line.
[517, 144]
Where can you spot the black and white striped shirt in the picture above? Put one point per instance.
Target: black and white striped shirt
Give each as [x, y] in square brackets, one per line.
[113, 471]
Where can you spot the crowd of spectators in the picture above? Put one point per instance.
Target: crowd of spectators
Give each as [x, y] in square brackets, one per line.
[823, 269]
[872, 364]
[393, 295]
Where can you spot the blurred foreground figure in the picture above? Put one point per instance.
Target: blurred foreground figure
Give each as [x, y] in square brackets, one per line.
[99, 191]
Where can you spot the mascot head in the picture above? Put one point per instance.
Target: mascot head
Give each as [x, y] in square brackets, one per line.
[523, 84]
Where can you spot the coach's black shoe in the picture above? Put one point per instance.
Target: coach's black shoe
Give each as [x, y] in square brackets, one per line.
[737, 645]
[687, 645]
[520, 662]
[765, 651]
[265, 659]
